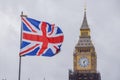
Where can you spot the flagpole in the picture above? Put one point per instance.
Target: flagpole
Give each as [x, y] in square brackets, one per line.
[20, 57]
[19, 77]
[19, 74]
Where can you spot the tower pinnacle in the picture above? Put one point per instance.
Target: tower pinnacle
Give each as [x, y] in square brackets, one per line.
[84, 23]
[84, 30]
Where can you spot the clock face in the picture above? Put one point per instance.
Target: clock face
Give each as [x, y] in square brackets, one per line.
[83, 61]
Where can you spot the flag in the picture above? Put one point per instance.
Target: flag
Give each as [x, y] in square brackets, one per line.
[40, 38]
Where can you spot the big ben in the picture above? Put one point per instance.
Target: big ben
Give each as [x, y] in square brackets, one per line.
[84, 56]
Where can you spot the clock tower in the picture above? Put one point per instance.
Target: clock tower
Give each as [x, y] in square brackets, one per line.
[84, 56]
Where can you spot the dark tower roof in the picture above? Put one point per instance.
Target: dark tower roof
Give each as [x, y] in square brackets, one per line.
[84, 23]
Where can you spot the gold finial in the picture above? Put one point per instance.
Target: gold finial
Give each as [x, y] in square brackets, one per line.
[85, 5]
[22, 15]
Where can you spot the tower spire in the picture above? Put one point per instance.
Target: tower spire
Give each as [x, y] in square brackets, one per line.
[84, 23]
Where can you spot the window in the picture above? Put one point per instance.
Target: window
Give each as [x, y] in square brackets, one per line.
[84, 33]
[84, 50]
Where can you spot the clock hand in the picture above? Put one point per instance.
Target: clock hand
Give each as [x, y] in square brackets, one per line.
[84, 62]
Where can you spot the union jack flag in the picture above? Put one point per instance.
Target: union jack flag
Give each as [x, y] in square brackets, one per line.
[40, 38]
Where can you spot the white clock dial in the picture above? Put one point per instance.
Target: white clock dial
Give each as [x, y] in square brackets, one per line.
[83, 62]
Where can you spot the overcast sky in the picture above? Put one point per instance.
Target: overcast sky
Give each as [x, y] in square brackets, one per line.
[104, 21]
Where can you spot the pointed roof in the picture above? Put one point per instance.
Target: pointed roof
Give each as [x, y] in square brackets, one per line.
[84, 24]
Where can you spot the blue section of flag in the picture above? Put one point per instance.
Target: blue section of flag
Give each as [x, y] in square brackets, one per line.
[59, 31]
[25, 28]
[48, 53]
[33, 52]
[49, 27]
[34, 22]
[24, 43]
